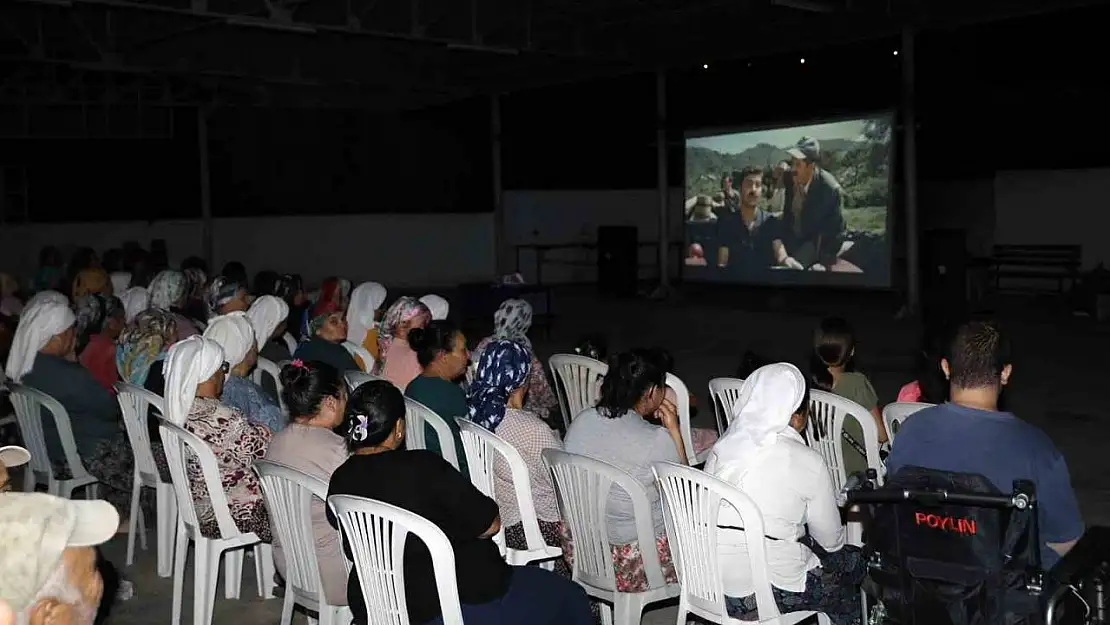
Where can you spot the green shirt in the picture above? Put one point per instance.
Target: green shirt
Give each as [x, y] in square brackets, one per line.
[856, 387]
[448, 401]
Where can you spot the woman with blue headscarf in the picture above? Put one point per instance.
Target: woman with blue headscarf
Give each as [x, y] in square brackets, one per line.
[496, 402]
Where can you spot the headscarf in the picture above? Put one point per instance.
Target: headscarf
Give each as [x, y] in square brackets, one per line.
[438, 306]
[189, 364]
[265, 314]
[366, 299]
[195, 280]
[93, 310]
[135, 300]
[402, 310]
[331, 299]
[120, 281]
[143, 342]
[502, 369]
[37, 326]
[512, 321]
[767, 401]
[235, 335]
[92, 280]
[166, 289]
[46, 296]
[221, 291]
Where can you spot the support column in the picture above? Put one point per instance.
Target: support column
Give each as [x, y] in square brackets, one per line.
[909, 170]
[504, 261]
[205, 192]
[661, 174]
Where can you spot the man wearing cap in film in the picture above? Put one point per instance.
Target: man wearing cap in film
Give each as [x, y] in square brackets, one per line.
[813, 225]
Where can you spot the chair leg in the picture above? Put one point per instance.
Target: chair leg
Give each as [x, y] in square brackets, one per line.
[28, 479]
[606, 613]
[628, 608]
[264, 569]
[287, 609]
[166, 521]
[181, 552]
[233, 572]
[205, 573]
[92, 491]
[133, 522]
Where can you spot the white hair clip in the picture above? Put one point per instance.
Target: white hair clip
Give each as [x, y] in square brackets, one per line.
[358, 428]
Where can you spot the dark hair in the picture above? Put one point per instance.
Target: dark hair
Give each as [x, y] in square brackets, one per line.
[304, 387]
[749, 362]
[630, 375]
[930, 377]
[977, 355]
[194, 262]
[429, 341]
[750, 170]
[236, 272]
[264, 282]
[49, 256]
[803, 407]
[833, 345]
[593, 346]
[381, 404]
[113, 260]
[664, 359]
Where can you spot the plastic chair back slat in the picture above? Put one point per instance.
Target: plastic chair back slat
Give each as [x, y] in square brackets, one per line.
[363, 354]
[31, 407]
[725, 394]
[356, 379]
[416, 415]
[577, 382]
[272, 369]
[182, 446]
[825, 428]
[134, 402]
[894, 414]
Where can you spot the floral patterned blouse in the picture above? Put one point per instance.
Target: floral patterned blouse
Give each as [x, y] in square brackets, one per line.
[541, 400]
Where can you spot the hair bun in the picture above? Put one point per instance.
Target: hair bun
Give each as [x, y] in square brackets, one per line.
[292, 374]
[417, 336]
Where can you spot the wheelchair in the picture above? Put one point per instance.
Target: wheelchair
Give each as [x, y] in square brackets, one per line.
[950, 549]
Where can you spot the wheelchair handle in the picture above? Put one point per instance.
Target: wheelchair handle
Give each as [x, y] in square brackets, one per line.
[1019, 500]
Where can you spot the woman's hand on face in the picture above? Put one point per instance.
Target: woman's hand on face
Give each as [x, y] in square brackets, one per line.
[668, 415]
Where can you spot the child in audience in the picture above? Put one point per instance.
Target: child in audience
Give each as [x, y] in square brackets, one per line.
[930, 385]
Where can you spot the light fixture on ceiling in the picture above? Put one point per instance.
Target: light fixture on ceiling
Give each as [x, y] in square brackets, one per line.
[803, 61]
[895, 53]
[705, 66]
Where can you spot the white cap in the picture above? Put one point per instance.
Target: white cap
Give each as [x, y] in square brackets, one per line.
[35, 529]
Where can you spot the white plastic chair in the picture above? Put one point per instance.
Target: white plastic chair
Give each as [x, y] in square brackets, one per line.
[290, 342]
[266, 367]
[824, 432]
[353, 349]
[289, 497]
[583, 486]
[577, 382]
[376, 533]
[29, 404]
[692, 501]
[894, 414]
[483, 450]
[725, 395]
[177, 441]
[356, 379]
[416, 415]
[682, 404]
[134, 403]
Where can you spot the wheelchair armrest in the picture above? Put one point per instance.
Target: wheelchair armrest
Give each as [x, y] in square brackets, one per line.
[1091, 552]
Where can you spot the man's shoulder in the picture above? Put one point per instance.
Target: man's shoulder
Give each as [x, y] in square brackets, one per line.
[827, 180]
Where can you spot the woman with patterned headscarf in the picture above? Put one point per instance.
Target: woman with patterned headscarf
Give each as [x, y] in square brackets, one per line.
[100, 320]
[511, 322]
[142, 347]
[196, 290]
[93, 280]
[397, 360]
[226, 296]
[169, 292]
[327, 329]
[496, 402]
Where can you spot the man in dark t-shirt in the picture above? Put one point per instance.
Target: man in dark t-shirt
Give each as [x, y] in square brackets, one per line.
[745, 235]
[970, 435]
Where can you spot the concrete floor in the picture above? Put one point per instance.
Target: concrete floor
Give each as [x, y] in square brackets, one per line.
[1059, 365]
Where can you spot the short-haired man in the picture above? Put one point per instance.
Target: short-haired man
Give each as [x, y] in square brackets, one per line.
[813, 222]
[48, 568]
[745, 235]
[969, 435]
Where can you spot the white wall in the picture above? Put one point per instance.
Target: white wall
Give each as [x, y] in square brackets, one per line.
[1061, 207]
[964, 204]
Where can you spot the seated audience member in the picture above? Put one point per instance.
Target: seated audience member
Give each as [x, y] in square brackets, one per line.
[196, 289]
[63, 584]
[290, 288]
[437, 305]
[268, 315]
[100, 320]
[362, 317]
[441, 351]
[121, 281]
[195, 371]
[511, 322]
[168, 292]
[764, 455]
[316, 396]
[701, 438]
[93, 280]
[235, 272]
[224, 296]
[496, 402]
[234, 334]
[326, 331]
[422, 482]
[831, 369]
[618, 431]
[930, 386]
[135, 300]
[969, 435]
[396, 359]
[264, 282]
[593, 346]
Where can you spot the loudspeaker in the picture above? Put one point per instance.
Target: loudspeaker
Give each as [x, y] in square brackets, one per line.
[944, 277]
[618, 260]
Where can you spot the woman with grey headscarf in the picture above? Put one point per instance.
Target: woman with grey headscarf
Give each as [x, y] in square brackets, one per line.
[168, 291]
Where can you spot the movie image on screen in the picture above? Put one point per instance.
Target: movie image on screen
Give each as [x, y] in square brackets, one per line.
[805, 204]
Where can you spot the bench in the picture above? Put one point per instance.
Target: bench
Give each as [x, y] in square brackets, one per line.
[1058, 263]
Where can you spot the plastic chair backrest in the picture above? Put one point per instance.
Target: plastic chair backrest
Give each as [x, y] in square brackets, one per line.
[289, 494]
[375, 533]
[134, 402]
[582, 485]
[725, 395]
[363, 354]
[181, 444]
[356, 379]
[578, 383]
[825, 428]
[692, 501]
[894, 414]
[272, 369]
[290, 342]
[416, 415]
[682, 403]
[29, 404]
[487, 454]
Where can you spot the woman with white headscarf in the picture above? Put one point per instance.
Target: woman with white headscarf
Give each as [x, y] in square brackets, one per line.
[168, 292]
[135, 300]
[763, 454]
[268, 315]
[362, 314]
[437, 305]
[235, 335]
[195, 370]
